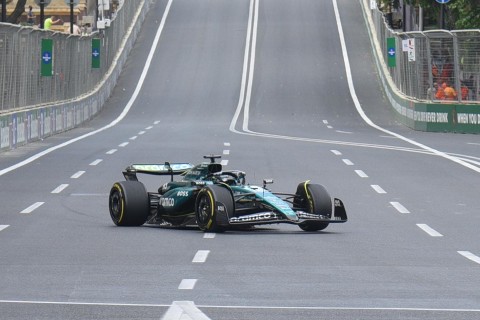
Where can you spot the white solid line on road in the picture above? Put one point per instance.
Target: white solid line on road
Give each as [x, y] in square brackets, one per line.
[400, 208]
[224, 162]
[94, 163]
[336, 152]
[470, 256]
[123, 144]
[60, 188]
[187, 284]
[209, 235]
[432, 232]
[201, 256]
[184, 310]
[34, 206]
[377, 188]
[3, 226]
[347, 162]
[77, 175]
[361, 174]
[111, 151]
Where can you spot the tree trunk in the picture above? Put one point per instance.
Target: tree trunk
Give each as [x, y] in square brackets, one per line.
[17, 13]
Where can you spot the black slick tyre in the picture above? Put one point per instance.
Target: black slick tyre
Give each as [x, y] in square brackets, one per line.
[212, 207]
[316, 200]
[128, 203]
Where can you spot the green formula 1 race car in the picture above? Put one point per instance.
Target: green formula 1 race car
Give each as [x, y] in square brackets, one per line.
[216, 200]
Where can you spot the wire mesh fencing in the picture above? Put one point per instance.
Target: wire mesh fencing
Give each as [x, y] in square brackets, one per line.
[22, 85]
[436, 65]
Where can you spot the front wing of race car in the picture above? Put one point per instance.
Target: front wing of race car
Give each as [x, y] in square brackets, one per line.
[268, 217]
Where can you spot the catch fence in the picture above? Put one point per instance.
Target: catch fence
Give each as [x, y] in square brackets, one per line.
[21, 84]
[435, 65]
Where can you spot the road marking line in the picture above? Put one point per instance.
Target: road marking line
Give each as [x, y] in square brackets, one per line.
[94, 163]
[77, 175]
[400, 208]
[361, 174]
[187, 284]
[111, 151]
[4, 226]
[347, 162]
[226, 152]
[184, 310]
[226, 144]
[341, 131]
[336, 152]
[329, 127]
[141, 132]
[123, 144]
[432, 232]
[133, 138]
[325, 121]
[224, 162]
[60, 188]
[148, 128]
[209, 235]
[201, 256]
[377, 188]
[470, 256]
[156, 122]
[34, 206]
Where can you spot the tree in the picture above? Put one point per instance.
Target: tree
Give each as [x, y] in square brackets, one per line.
[17, 13]
[460, 14]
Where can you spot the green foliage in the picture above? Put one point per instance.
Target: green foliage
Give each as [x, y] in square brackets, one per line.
[460, 14]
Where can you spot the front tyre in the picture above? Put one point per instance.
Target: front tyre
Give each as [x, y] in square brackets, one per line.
[128, 203]
[315, 199]
[212, 208]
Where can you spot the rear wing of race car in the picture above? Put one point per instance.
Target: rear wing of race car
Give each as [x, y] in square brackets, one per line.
[170, 169]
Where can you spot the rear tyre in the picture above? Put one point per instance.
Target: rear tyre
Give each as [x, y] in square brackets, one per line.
[316, 200]
[212, 207]
[128, 203]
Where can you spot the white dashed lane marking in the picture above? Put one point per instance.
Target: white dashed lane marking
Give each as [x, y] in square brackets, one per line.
[124, 144]
[133, 138]
[111, 151]
[361, 174]
[470, 256]
[226, 152]
[60, 188]
[347, 162]
[430, 231]
[3, 226]
[224, 162]
[148, 128]
[336, 152]
[201, 256]
[226, 144]
[141, 132]
[33, 207]
[187, 284]
[400, 208]
[209, 235]
[94, 163]
[77, 174]
[377, 188]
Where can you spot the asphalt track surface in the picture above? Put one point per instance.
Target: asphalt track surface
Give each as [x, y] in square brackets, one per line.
[278, 88]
